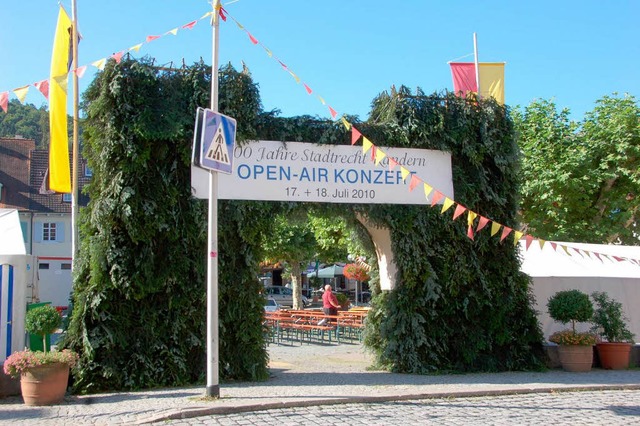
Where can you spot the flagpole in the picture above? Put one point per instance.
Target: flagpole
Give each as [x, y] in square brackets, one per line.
[74, 161]
[213, 386]
[475, 54]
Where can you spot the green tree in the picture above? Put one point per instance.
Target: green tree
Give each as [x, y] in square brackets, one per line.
[291, 240]
[580, 182]
[27, 121]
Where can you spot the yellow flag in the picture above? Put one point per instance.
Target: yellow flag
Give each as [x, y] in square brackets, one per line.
[495, 227]
[516, 237]
[404, 172]
[59, 170]
[379, 156]
[471, 217]
[448, 202]
[427, 190]
[366, 145]
[492, 81]
[21, 93]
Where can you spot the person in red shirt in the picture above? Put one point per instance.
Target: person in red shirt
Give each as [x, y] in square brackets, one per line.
[330, 303]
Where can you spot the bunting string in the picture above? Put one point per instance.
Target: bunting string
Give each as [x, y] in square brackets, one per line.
[43, 85]
[432, 195]
[377, 154]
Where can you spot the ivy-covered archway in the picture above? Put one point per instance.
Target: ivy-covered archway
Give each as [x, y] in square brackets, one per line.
[139, 294]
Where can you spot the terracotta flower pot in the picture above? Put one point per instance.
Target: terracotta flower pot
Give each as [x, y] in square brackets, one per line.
[614, 356]
[45, 384]
[576, 358]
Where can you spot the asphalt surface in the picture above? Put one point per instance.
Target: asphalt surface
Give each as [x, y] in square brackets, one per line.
[331, 384]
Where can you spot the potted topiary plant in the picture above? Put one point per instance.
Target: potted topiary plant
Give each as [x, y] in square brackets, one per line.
[343, 300]
[43, 375]
[610, 323]
[575, 349]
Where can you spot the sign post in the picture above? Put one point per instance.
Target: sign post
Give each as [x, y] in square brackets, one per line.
[213, 380]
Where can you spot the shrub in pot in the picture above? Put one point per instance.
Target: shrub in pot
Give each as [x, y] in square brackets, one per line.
[575, 349]
[343, 300]
[610, 324]
[43, 375]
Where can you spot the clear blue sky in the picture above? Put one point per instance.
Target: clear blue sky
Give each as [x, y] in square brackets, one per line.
[349, 51]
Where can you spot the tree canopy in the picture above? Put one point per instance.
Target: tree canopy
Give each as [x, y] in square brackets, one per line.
[581, 181]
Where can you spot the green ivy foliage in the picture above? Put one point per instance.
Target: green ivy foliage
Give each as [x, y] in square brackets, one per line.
[139, 297]
[459, 305]
[139, 317]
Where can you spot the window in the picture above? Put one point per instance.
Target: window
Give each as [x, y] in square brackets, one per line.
[87, 171]
[48, 232]
[43, 266]
[66, 198]
[65, 266]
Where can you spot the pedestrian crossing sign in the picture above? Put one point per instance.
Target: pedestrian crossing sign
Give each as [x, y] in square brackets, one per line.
[218, 138]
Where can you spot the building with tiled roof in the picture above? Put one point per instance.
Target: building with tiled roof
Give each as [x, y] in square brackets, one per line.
[45, 216]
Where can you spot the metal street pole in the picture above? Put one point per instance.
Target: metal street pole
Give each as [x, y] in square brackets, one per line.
[475, 54]
[74, 158]
[213, 386]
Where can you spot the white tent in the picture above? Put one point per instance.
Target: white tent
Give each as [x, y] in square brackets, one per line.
[556, 270]
[11, 239]
[328, 272]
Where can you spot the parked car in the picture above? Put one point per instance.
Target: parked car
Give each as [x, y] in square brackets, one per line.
[283, 295]
[270, 305]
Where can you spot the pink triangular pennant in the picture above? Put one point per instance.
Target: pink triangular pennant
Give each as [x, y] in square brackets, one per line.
[505, 232]
[80, 71]
[459, 210]
[117, 56]
[392, 163]
[307, 88]
[619, 259]
[150, 38]
[222, 12]
[529, 239]
[374, 149]
[192, 24]
[415, 180]
[437, 196]
[43, 87]
[470, 232]
[577, 251]
[355, 135]
[253, 39]
[482, 223]
[554, 245]
[4, 101]
[333, 112]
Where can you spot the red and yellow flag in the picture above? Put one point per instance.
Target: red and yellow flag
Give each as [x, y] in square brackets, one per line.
[59, 170]
[491, 76]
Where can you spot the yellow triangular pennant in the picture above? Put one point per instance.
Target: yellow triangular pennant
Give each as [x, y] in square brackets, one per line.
[62, 80]
[566, 250]
[472, 216]
[206, 14]
[136, 47]
[448, 202]
[322, 100]
[516, 237]
[379, 156]
[495, 227]
[242, 28]
[21, 93]
[295, 77]
[541, 242]
[405, 172]
[427, 190]
[346, 124]
[99, 63]
[173, 31]
[366, 145]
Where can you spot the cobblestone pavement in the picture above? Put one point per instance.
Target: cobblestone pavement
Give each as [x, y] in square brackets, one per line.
[562, 408]
[309, 381]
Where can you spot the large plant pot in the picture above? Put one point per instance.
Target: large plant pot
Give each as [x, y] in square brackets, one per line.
[45, 384]
[614, 356]
[576, 358]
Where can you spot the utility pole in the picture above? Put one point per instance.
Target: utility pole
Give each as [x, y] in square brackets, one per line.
[213, 381]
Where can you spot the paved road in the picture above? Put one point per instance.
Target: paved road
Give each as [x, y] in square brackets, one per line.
[561, 408]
